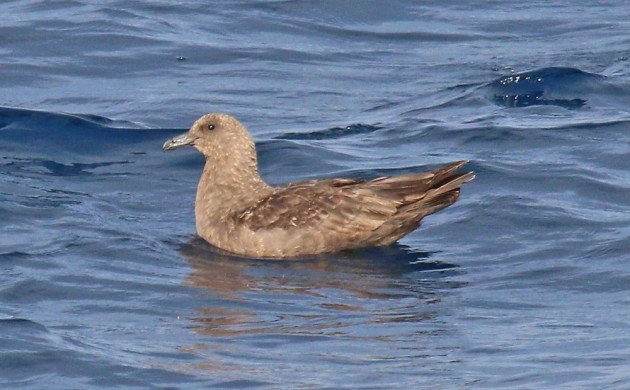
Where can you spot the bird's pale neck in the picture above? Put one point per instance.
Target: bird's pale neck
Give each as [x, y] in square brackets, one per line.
[227, 182]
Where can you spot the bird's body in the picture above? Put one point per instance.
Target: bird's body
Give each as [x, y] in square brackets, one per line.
[237, 211]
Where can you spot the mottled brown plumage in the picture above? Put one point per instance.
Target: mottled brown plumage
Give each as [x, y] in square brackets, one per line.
[237, 211]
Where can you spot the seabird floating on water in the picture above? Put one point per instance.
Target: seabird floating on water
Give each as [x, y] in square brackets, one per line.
[235, 210]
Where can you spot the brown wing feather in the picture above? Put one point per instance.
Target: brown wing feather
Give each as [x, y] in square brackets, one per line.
[412, 187]
[336, 205]
[354, 209]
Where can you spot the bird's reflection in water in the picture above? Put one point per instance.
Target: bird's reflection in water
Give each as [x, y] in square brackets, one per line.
[323, 295]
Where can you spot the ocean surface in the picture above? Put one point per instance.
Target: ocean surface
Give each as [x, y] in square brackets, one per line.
[522, 284]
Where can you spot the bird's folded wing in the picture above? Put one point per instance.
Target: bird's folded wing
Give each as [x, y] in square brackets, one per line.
[338, 205]
[353, 206]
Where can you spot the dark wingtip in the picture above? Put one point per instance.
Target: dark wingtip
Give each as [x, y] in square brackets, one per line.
[468, 177]
[460, 163]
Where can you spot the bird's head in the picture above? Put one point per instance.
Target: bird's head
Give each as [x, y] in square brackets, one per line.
[217, 137]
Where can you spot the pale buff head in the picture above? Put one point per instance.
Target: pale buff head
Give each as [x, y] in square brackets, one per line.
[219, 137]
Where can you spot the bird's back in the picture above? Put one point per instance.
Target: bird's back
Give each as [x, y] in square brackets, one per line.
[321, 216]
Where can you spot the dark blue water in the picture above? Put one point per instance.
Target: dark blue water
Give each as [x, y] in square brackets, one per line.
[524, 283]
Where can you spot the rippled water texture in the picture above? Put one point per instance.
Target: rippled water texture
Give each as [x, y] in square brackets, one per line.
[524, 283]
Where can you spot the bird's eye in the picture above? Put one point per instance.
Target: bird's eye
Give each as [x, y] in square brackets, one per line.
[210, 127]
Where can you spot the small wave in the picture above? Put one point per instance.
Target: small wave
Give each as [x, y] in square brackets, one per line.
[274, 154]
[393, 35]
[17, 166]
[557, 86]
[77, 142]
[335, 132]
[76, 169]
[23, 116]
[21, 324]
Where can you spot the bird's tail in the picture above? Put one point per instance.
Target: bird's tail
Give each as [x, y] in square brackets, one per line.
[443, 194]
[420, 195]
[443, 190]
